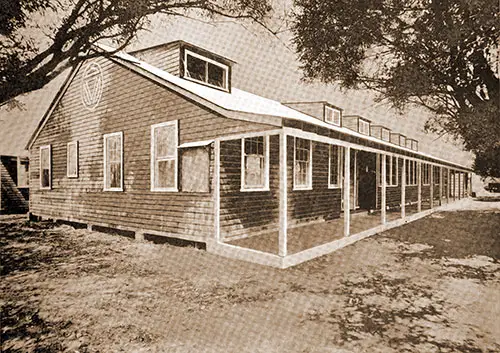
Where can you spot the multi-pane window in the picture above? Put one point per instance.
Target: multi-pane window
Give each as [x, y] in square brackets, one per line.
[402, 140]
[72, 160]
[364, 127]
[45, 167]
[302, 174]
[164, 142]
[411, 172]
[391, 170]
[335, 166]
[426, 174]
[255, 163]
[200, 68]
[113, 162]
[332, 116]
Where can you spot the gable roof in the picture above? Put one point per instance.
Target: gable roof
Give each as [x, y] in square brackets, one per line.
[238, 104]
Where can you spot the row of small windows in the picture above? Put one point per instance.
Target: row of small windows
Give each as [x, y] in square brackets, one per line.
[254, 162]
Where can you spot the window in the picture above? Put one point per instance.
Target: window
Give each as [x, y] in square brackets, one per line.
[402, 140]
[335, 167]
[46, 167]
[302, 176]
[72, 160]
[23, 176]
[364, 127]
[426, 174]
[113, 162]
[202, 69]
[195, 169]
[164, 142]
[436, 178]
[414, 145]
[411, 173]
[332, 115]
[408, 143]
[391, 170]
[255, 163]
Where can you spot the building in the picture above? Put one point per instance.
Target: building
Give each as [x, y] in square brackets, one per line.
[160, 144]
[14, 182]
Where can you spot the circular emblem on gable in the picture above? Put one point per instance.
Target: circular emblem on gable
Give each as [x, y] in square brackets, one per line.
[92, 86]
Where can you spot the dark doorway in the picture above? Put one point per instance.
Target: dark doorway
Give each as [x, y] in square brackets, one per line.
[367, 172]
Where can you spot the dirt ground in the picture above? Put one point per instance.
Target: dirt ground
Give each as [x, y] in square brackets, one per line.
[430, 286]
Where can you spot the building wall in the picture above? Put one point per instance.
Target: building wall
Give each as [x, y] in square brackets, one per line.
[12, 198]
[131, 104]
[350, 122]
[315, 109]
[247, 213]
[163, 57]
[320, 203]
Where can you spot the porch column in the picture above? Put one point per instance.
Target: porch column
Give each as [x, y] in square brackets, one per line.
[383, 199]
[283, 211]
[431, 195]
[419, 186]
[440, 186]
[217, 190]
[459, 188]
[347, 188]
[448, 181]
[403, 189]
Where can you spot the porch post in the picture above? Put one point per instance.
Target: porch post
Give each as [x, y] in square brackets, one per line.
[283, 211]
[448, 181]
[403, 189]
[440, 185]
[459, 188]
[347, 189]
[431, 195]
[216, 189]
[419, 187]
[383, 199]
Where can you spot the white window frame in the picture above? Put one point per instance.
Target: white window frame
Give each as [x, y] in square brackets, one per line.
[411, 173]
[265, 187]
[46, 147]
[332, 120]
[175, 188]
[309, 185]
[105, 175]
[366, 124]
[340, 168]
[426, 174]
[390, 165]
[75, 143]
[404, 139]
[204, 58]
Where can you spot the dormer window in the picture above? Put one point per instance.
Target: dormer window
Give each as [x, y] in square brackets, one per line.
[386, 135]
[207, 71]
[332, 115]
[364, 127]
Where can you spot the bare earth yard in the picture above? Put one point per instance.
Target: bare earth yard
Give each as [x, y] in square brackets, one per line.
[430, 286]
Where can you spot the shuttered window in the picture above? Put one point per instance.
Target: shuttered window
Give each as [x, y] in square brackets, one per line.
[255, 163]
[72, 160]
[113, 162]
[302, 173]
[164, 143]
[45, 167]
[335, 166]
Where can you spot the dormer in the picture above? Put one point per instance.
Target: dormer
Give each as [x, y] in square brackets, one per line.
[321, 110]
[412, 144]
[357, 123]
[380, 132]
[191, 63]
[398, 139]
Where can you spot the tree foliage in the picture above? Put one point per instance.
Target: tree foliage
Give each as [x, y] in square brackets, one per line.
[34, 50]
[440, 54]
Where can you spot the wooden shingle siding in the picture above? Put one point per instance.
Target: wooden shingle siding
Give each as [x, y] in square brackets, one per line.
[314, 109]
[247, 213]
[166, 58]
[320, 203]
[130, 104]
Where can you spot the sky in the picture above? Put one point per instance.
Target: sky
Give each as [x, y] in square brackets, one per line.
[265, 65]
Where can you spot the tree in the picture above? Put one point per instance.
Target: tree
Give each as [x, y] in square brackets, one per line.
[439, 54]
[28, 60]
